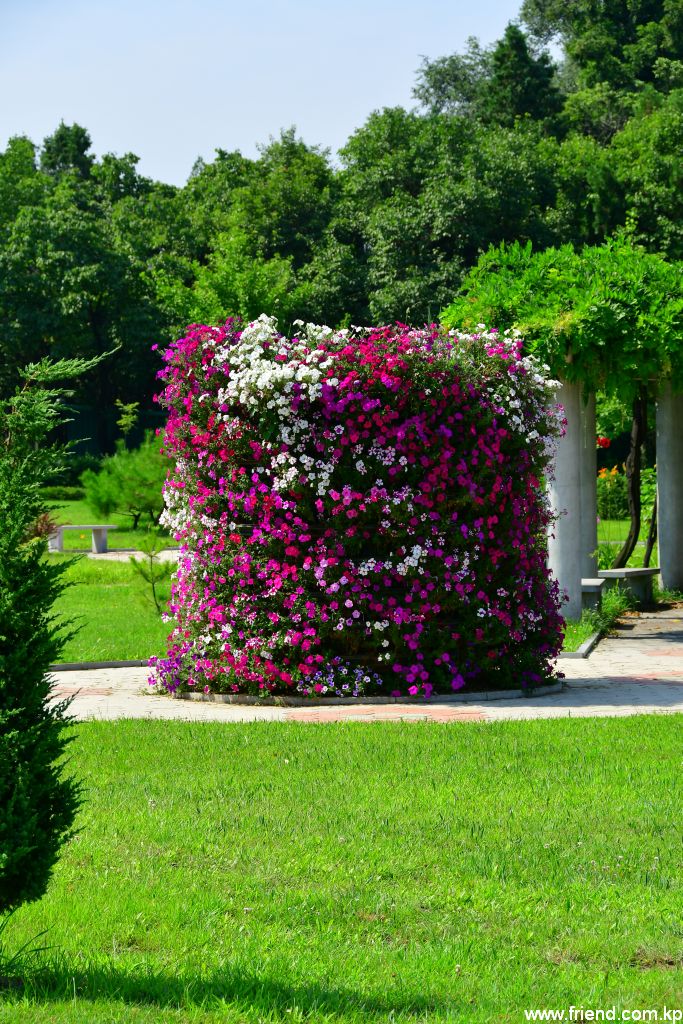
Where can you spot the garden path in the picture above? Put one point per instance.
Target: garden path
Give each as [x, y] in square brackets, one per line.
[638, 670]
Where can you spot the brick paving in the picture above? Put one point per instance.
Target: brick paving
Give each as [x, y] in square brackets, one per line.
[639, 670]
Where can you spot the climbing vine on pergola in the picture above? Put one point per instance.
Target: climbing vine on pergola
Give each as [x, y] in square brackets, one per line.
[609, 317]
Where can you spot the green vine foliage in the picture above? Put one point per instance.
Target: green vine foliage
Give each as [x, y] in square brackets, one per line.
[609, 316]
[38, 802]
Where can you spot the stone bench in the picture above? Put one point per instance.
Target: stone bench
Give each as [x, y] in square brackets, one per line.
[591, 593]
[55, 541]
[639, 581]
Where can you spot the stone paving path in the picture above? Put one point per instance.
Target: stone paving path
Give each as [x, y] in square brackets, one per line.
[639, 670]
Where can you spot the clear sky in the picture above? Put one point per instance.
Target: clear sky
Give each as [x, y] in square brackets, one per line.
[171, 80]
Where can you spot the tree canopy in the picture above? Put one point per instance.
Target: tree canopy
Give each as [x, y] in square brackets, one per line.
[506, 144]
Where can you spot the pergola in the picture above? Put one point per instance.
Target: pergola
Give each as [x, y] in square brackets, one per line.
[573, 493]
[603, 318]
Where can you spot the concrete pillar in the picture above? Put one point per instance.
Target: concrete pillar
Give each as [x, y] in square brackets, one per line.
[588, 485]
[670, 487]
[564, 559]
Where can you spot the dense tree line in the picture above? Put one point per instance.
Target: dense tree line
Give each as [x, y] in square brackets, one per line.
[504, 145]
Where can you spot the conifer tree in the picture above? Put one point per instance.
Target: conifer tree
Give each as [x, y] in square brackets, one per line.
[38, 800]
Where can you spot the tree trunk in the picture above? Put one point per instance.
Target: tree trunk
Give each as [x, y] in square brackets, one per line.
[638, 431]
[651, 536]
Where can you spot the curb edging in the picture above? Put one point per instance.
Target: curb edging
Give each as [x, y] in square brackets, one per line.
[75, 666]
[307, 702]
[585, 649]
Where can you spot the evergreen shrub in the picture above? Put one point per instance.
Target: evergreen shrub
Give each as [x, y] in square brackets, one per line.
[38, 801]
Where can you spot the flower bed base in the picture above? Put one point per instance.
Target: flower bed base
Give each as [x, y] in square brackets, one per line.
[304, 702]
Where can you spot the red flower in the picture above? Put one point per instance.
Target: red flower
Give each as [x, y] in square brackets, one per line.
[603, 442]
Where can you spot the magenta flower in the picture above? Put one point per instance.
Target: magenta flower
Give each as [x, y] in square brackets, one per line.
[352, 507]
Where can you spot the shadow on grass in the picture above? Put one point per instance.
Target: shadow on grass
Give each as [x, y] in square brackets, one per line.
[244, 990]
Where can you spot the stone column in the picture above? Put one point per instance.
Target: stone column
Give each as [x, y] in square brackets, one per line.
[670, 486]
[564, 548]
[588, 485]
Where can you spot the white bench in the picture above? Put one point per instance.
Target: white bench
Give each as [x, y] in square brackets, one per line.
[55, 541]
[639, 581]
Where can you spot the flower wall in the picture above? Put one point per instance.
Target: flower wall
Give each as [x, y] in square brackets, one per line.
[358, 512]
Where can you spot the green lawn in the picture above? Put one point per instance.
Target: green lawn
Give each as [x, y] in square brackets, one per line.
[76, 512]
[363, 872]
[613, 532]
[112, 606]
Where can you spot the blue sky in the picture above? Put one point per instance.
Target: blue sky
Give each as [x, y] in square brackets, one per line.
[172, 80]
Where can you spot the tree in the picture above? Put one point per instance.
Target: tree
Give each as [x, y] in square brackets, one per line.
[647, 167]
[70, 287]
[21, 184]
[615, 41]
[129, 481]
[38, 802]
[422, 196]
[454, 84]
[521, 84]
[494, 85]
[67, 150]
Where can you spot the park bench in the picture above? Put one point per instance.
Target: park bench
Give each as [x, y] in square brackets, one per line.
[639, 581]
[591, 592]
[55, 541]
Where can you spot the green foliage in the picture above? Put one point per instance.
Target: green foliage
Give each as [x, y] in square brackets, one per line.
[152, 569]
[619, 42]
[615, 601]
[424, 195]
[598, 112]
[648, 491]
[521, 84]
[613, 417]
[233, 282]
[37, 802]
[610, 316]
[128, 416]
[506, 146]
[612, 500]
[646, 157]
[69, 287]
[496, 85]
[67, 150]
[129, 481]
[62, 493]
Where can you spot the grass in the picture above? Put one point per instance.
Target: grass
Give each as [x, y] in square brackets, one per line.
[112, 606]
[611, 535]
[76, 512]
[380, 872]
[615, 602]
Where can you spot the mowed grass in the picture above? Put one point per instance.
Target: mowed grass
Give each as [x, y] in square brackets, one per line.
[112, 608]
[276, 872]
[613, 532]
[77, 512]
